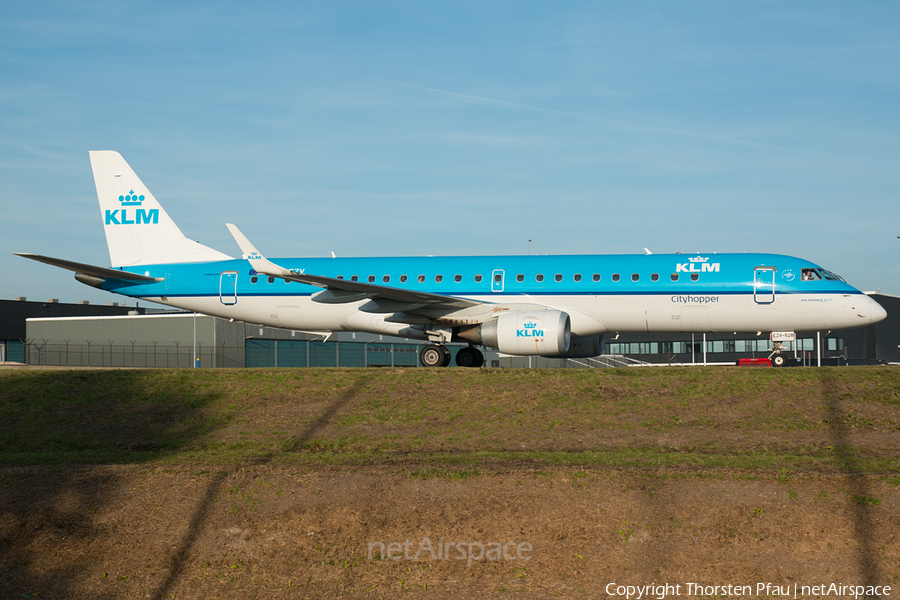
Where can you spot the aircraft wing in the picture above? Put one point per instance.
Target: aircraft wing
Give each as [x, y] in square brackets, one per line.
[343, 290]
[94, 271]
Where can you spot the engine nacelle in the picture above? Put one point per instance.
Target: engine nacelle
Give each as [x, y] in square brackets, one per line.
[584, 347]
[542, 332]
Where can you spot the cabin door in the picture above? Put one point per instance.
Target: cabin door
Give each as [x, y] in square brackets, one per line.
[228, 287]
[764, 285]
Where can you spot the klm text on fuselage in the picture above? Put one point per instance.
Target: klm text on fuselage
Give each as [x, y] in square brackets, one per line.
[691, 267]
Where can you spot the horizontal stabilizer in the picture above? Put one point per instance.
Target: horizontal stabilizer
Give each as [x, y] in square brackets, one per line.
[101, 272]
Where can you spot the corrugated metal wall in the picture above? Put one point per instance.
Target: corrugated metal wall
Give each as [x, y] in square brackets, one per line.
[151, 341]
[290, 353]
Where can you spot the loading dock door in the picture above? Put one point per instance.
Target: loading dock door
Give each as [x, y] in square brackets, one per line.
[228, 287]
[764, 285]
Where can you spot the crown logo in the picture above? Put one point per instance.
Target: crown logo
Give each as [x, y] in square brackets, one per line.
[696, 259]
[131, 199]
[529, 325]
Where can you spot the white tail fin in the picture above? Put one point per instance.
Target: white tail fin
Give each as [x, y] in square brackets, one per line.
[138, 230]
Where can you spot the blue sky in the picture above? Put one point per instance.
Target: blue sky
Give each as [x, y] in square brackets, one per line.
[415, 128]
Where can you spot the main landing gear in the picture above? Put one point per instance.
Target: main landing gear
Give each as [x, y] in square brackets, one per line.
[435, 355]
[469, 357]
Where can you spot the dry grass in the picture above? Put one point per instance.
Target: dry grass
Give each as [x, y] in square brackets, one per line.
[275, 483]
[811, 420]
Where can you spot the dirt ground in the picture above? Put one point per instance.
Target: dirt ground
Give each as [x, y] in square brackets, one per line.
[427, 484]
[283, 532]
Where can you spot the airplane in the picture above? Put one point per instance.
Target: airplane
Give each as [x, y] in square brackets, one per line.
[532, 305]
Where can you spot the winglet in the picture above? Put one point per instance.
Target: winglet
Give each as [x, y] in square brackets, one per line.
[259, 262]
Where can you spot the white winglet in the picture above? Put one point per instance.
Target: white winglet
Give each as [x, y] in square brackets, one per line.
[259, 262]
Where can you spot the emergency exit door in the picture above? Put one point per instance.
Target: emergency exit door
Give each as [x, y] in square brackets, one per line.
[497, 280]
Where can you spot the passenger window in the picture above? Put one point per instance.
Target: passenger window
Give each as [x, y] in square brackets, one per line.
[674, 276]
[520, 277]
[254, 279]
[403, 279]
[498, 277]
[457, 278]
[695, 276]
[354, 278]
[340, 276]
[271, 279]
[438, 278]
[558, 277]
[478, 278]
[577, 277]
[539, 277]
[615, 277]
[386, 278]
[596, 276]
[654, 277]
[371, 279]
[810, 275]
[421, 279]
[635, 277]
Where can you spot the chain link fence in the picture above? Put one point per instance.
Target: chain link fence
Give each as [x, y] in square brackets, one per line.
[254, 353]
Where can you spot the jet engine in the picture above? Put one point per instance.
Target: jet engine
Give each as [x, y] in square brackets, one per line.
[584, 347]
[542, 332]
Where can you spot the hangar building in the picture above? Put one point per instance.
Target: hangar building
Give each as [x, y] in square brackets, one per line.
[136, 337]
[13, 313]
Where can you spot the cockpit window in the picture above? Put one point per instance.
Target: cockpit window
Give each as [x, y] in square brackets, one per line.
[810, 275]
[831, 276]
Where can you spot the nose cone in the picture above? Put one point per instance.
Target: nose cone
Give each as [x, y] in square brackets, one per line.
[872, 312]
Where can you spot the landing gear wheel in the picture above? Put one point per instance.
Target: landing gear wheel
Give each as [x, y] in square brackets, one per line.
[778, 360]
[480, 362]
[469, 357]
[447, 357]
[434, 355]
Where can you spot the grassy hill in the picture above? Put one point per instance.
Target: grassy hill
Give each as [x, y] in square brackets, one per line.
[814, 420]
[279, 483]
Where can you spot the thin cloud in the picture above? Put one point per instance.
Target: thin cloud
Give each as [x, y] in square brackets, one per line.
[614, 122]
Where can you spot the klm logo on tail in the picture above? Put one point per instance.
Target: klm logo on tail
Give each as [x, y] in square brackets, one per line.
[140, 216]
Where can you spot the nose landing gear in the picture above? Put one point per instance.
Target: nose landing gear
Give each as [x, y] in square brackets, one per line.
[778, 359]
